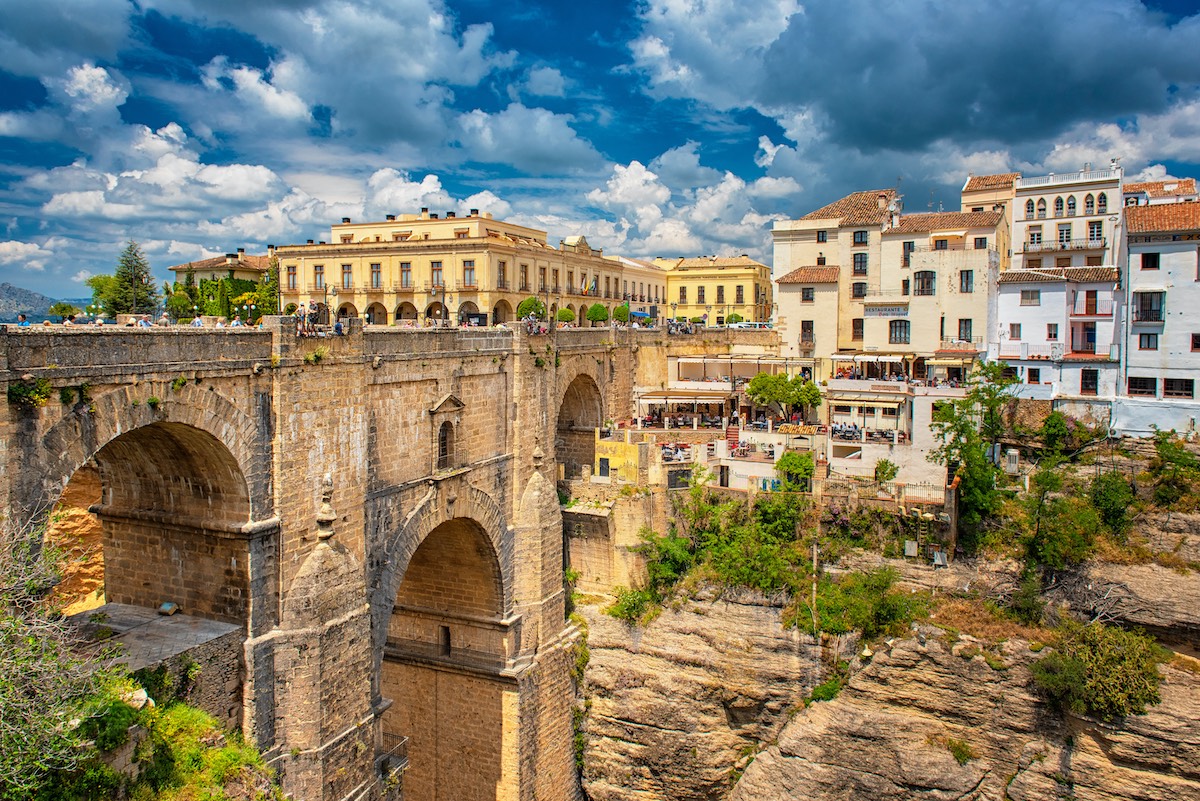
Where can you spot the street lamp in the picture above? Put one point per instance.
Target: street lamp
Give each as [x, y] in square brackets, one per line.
[433, 293]
[673, 306]
[707, 315]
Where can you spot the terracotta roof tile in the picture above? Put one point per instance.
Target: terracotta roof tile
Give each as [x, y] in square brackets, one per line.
[1170, 188]
[1163, 217]
[945, 220]
[244, 262]
[1003, 180]
[1030, 276]
[811, 275]
[1092, 275]
[1079, 275]
[858, 208]
[717, 261]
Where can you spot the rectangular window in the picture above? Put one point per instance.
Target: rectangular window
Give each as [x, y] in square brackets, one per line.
[347, 239]
[860, 237]
[1062, 261]
[909, 247]
[1014, 331]
[555, 284]
[700, 294]
[966, 281]
[904, 286]
[1094, 261]
[1052, 332]
[1089, 381]
[1034, 264]
[376, 275]
[808, 294]
[822, 236]
[291, 276]
[406, 275]
[542, 280]
[1143, 386]
[860, 263]
[1179, 388]
[1095, 232]
[858, 290]
[965, 326]
[807, 331]
[1196, 342]
[469, 272]
[570, 280]
[319, 276]
[502, 275]
[1033, 376]
[924, 282]
[347, 277]
[856, 329]
[739, 294]
[683, 294]
[1150, 261]
[720, 294]
[941, 244]
[840, 409]
[1064, 233]
[981, 243]
[435, 269]
[1031, 297]
[524, 277]
[1147, 341]
[1148, 307]
[898, 332]
[1035, 234]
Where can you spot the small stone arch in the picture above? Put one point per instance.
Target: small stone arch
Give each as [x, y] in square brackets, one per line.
[406, 311]
[377, 314]
[502, 312]
[347, 309]
[580, 410]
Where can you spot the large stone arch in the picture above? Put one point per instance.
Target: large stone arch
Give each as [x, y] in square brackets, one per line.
[579, 412]
[75, 439]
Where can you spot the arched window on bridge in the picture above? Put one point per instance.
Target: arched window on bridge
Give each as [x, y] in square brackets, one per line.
[445, 449]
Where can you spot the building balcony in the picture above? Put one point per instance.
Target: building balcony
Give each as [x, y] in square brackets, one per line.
[392, 758]
[1060, 245]
[1151, 316]
[400, 286]
[1094, 307]
[972, 344]
[501, 286]
[1015, 349]
[373, 289]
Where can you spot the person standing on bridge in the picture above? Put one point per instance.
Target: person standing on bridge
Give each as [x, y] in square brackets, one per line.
[22, 321]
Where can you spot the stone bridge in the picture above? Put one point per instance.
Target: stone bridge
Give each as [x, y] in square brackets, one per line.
[418, 594]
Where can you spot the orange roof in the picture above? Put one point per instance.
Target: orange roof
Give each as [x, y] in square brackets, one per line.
[1168, 188]
[811, 275]
[1092, 275]
[1003, 180]
[242, 262]
[945, 220]
[1079, 275]
[858, 208]
[1163, 217]
[702, 262]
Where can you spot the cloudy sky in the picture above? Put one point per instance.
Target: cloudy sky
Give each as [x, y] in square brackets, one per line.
[656, 127]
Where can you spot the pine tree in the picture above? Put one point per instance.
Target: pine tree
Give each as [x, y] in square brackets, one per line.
[133, 289]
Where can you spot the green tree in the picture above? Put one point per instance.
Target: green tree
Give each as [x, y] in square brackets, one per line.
[179, 305]
[1173, 468]
[796, 470]
[767, 389]
[267, 295]
[1100, 670]
[597, 313]
[621, 313]
[733, 318]
[1111, 496]
[886, 470]
[63, 310]
[566, 316]
[531, 305]
[1055, 431]
[131, 288]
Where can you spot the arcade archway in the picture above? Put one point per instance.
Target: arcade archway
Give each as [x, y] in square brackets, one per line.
[579, 415]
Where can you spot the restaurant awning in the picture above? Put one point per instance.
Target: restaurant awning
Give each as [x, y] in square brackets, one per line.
[842, 357]
[865, 398]
[950, 360]
[874, 357]
[683, 396]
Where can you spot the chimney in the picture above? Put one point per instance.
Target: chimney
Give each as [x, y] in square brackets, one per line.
[229, 257]
[424, 212]
[449, 215]
[322, 242]
[345, 221]
[241, 253]
[474, 212]
[881, 201]
[391, 218]
[433, 216]
[310, 241]
[270, 251]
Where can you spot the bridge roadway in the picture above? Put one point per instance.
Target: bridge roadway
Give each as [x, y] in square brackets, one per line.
[418, 593]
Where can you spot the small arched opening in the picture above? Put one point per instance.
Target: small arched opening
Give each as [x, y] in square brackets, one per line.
[502, 312]
[579, 415]
[347, 310]
[445, 446]
[406, 311]
[377, 314]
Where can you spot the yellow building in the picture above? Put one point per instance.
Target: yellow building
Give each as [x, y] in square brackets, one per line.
[424, 268]
[715, 287]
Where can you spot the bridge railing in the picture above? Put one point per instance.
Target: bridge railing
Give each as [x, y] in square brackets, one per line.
[392, 758]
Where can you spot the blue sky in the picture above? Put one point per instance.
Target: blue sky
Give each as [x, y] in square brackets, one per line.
[656, 128]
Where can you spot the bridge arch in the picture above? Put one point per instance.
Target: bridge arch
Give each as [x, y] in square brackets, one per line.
[443, 644]
[580, 413]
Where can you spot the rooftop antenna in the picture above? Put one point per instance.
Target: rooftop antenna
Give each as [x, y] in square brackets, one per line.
[930, 206]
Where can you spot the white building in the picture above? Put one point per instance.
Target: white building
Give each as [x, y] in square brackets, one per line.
[1154, 193]
[1058, 329]
[1162, 328]
[1068, 220]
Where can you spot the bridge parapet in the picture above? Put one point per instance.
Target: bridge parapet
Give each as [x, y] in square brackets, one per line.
[98, 349]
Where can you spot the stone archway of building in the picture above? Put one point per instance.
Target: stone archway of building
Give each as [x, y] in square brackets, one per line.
[435, 311]
[377, 314]
[464, 310]
[347, 310]
[442, 667]
[406, 311]
[580, 413]
[502, 312]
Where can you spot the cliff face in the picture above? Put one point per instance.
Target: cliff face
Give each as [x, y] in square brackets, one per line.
[679, 707]
[891, 732]
[676, 706]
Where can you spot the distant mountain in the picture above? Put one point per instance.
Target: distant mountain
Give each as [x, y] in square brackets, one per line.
[14, 301]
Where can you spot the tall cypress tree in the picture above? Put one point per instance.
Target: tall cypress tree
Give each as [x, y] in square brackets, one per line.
[133, 288]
